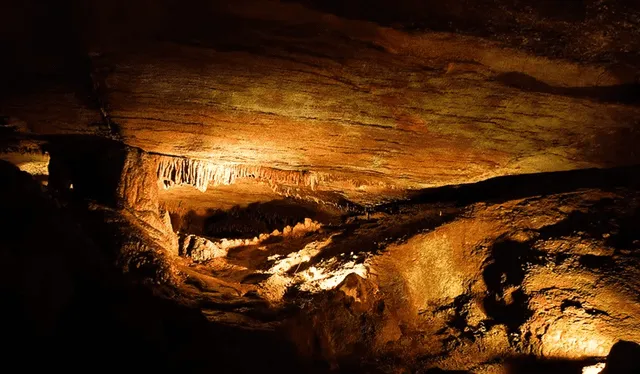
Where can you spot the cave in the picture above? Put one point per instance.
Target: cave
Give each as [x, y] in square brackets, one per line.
[408, 186]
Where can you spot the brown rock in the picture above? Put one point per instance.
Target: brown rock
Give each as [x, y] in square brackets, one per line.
[335, 105]
[623, 358]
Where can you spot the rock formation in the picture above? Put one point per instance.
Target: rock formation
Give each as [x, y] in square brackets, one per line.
[313, 186]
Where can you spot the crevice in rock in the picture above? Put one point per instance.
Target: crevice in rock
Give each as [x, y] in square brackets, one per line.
[259, 218]
[507, 302]
[99, 94]
[511, 187]
[626, 93]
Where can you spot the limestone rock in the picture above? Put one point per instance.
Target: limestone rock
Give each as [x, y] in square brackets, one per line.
[333, 104]
[623, 358]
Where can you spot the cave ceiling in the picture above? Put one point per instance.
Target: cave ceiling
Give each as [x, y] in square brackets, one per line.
[372, 100]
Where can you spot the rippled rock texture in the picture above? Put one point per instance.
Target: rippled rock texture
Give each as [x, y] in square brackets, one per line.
[348, 106]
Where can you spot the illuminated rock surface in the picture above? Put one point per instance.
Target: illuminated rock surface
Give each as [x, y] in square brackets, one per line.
[360, 109]
[307, 186]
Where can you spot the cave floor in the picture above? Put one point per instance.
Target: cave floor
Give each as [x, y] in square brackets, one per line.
[464, 275]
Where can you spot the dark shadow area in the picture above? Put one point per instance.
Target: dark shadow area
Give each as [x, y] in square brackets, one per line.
[624, 358]
[506, 303]
[91, 164]
[513, 187]
[65, 306]
[260, 218]
[554, 28]
[626, 93]
[537, 365]
[445, 16]
[614, 221]
[191, 222]
[6, 129]
[458, 320]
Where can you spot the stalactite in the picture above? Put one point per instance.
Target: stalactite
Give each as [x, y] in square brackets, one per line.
[202, 173]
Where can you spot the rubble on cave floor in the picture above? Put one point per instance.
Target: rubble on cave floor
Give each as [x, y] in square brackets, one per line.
[455, 280]
[548, 276]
